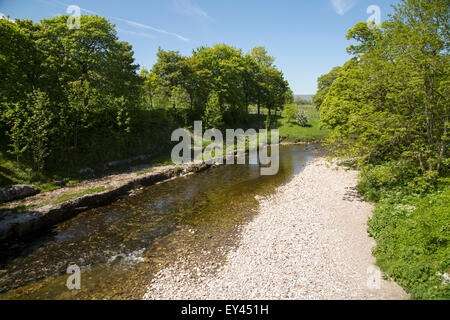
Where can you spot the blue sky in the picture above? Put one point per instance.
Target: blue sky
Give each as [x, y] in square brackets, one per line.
[307, 37]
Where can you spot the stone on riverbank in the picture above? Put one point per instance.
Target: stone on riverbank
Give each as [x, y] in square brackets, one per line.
[18, 191]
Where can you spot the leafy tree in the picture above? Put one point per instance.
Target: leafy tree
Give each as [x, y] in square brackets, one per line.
[75, 97]
[38, 123]
[167, 68]
[264, 61]
[226, 66]
[213, 117]
[30, 129]
[151, 84]
[323, 85]
[289, 113]
[391, 100]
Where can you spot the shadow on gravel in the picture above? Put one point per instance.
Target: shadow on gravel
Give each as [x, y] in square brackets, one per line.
[351, 194]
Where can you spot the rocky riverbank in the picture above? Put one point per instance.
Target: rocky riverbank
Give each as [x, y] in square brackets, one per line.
[44, 210]
[309, 241]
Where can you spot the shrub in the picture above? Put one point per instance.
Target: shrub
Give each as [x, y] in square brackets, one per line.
[301, 118]
[375, 180]
[410, 225]
[412, 237]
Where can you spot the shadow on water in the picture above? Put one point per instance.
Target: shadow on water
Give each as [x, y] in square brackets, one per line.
[120, 246]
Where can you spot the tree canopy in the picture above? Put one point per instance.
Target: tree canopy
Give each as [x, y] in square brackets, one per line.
[74, 96]
[390, 101]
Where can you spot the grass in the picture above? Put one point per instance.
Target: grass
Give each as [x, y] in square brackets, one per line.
[411, 225]
[66, 197]
[290, 132]
[412, 235]
[163, 159]
[13, 173]
[18, 209]
[140, 173]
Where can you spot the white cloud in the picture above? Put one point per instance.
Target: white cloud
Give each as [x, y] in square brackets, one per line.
[342, 6]
[187, 8]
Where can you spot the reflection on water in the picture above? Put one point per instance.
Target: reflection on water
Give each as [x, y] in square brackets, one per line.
[120, 246]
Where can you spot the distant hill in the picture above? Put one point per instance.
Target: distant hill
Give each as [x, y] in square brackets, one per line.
[304, 96]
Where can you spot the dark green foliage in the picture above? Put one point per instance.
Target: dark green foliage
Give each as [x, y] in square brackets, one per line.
[387, 111]
[73, 98]
[390, 101]
[412, 234]
[323, 86]
[213, 116]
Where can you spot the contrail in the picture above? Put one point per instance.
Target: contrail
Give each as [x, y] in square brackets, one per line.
[133, 23]
[140, 25]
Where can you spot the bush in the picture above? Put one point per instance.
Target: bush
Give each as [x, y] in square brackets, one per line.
[412, 237]
[377, 180]
[301, 118]
[410, 225]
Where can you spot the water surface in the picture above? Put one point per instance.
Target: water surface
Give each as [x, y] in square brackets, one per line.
[120, 246]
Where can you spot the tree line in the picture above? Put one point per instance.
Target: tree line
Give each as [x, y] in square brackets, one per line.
[75, 97]
[216, 84]
[390, 102]
[387, 110]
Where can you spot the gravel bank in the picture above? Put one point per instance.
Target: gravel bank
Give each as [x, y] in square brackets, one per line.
[309, 241]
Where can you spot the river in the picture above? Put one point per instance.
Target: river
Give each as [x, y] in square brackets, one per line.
[120, 246]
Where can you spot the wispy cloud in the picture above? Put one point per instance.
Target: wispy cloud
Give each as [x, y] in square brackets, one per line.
[134, 24]
[144, 26]
[141, 34]
[342, 6]
[187, 8]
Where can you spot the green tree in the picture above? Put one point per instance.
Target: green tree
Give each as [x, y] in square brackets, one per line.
[38, 123]
[264, 61]
[289, 113]
[323, 85]
[227, 69]
[391, 100]
[213, 117]
[151, 84]
[30, 130]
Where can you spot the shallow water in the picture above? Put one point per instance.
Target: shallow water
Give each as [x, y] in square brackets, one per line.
[120, 246]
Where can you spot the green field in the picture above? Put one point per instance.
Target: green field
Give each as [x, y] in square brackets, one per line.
[290, 132]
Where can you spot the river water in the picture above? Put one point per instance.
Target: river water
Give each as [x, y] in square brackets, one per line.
[120, 247]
